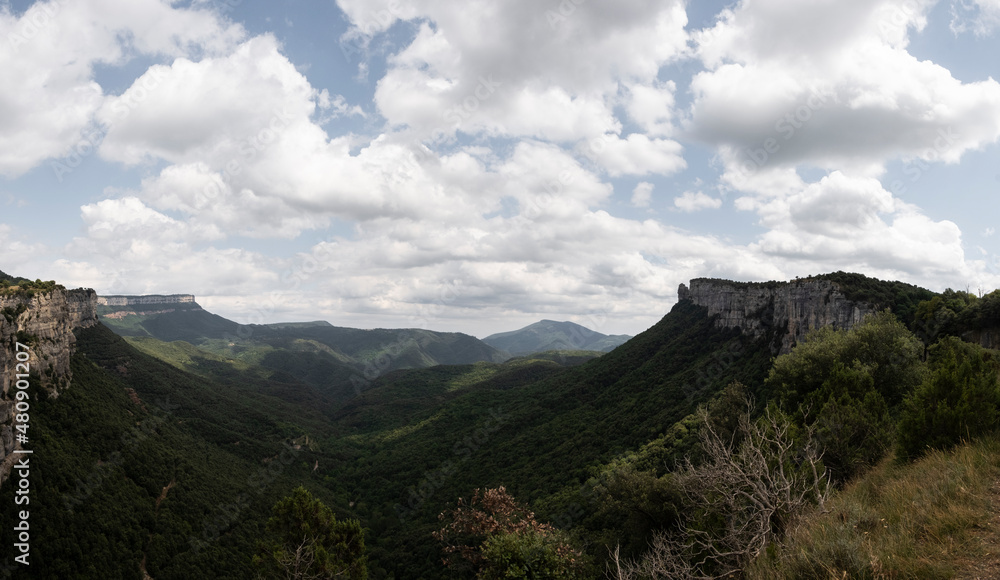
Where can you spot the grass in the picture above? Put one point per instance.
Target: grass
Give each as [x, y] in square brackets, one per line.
[913, 521]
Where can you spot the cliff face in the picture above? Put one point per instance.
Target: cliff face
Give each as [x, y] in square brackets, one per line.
[791, 309]
[986, 337]
[141, 300]
[46, 321]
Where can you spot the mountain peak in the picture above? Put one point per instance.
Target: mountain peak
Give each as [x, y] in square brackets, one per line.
[546, 335]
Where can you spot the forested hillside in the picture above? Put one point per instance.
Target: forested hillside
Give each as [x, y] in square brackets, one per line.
[334, 363]
[635, 463]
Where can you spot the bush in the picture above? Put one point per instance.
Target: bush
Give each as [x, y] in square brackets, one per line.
[847, 385]
[309, 542]
[959, 400]
[499, 538]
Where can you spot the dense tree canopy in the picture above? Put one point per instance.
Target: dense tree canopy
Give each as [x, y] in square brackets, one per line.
[308, 542]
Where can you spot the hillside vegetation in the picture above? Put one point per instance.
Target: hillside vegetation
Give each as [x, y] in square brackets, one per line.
[688, 452]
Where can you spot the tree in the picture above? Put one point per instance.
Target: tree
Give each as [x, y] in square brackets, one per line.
[496, 537]
[308, 542]
[848, 385]
[959, 400]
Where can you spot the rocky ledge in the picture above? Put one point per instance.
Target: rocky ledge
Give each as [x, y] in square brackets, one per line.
[789, 309]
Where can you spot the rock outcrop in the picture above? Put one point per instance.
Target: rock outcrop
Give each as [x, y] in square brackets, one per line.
[142, 300]
[789, 310]
[985, 337]
[45, 322]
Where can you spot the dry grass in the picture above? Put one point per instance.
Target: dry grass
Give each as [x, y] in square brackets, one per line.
[914, 521]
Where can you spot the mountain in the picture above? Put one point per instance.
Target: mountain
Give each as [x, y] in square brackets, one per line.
[164, 458]
[335, 363]
[552, 335]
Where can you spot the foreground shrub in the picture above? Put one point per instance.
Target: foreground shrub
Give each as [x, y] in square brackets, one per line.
[740, 500]
[960, 400]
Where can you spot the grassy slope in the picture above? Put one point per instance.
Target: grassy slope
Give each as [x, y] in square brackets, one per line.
[911, 521]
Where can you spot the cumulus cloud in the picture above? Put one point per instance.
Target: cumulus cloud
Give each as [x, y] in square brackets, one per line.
[49, 95]
[853, 222]
[832, 85]
[637, 154]
[548, 74]
[981, 17]
[499, 132]
[694, 201]
[642, 195]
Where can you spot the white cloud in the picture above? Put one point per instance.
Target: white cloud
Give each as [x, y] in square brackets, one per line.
[652, 107]
[485, 197]
[49, 96]
[830, 84]
[694, 201]
[982, 17]
[637, 154]
[642, 195]
[18, 251]
[853, 223]
[545, 78]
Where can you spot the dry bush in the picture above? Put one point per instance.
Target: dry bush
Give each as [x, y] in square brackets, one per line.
[741, 500]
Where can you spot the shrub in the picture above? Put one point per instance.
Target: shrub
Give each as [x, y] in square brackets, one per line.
[959, 400]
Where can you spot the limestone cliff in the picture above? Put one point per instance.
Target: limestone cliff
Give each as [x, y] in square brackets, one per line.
[44, 321]
[789, 310]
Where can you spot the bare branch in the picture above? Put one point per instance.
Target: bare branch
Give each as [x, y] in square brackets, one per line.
[753, 489]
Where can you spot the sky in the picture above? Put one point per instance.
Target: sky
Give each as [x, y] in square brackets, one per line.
[478, 166]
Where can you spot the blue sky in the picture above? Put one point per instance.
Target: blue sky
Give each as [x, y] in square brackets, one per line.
[479, 166]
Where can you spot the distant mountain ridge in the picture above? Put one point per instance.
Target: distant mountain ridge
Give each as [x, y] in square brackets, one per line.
[337, 361]
[549, 335]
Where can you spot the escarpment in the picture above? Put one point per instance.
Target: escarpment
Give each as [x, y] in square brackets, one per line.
[44, 322]
[789, 310]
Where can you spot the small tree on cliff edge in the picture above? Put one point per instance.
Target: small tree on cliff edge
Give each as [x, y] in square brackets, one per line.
[308, 542]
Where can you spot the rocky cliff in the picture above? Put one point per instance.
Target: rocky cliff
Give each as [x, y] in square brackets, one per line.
[142, 300]
[45, 322]
[789, 310]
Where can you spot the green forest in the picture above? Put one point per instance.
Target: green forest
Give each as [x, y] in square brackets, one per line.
[691, 451]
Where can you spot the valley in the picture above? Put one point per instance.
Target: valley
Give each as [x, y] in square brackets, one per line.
[172, 431]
